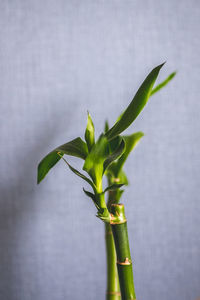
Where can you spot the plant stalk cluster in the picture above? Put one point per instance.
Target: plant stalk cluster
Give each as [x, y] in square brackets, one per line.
[106, 156]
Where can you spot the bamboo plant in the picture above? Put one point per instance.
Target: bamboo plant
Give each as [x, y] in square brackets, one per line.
[106, 155]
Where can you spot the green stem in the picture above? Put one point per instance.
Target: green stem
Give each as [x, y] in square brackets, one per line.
[113, 288]
[124, 264]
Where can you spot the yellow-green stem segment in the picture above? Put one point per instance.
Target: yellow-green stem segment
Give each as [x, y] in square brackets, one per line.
[113, 288]
[124, 264]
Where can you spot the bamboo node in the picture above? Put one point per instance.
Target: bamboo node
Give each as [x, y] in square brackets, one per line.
[116, 221]
[114, 293]
[117, 214]
[126, 262]
[116, 180]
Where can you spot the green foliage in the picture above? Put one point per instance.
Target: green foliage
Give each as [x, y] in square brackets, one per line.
[131, 142]
[115, 170]
[136, 105]
[76, 147]
[89, 194]
[113, 187]
[109, 153]
[163, 83]
[115, 175]
[106, 126]
[80, 175]
[92, 196]
[89, 133]
[116, 153]
[107, 156]
[46, 164]
[94, 162]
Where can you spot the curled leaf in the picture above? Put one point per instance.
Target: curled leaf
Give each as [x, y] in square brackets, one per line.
[76, 147]
[131, 142]
[113, 187]
[92, 196]
[80, 174]
[114, 155]
[103, 214]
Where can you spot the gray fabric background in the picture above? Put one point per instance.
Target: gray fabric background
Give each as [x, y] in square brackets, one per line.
[58, 59]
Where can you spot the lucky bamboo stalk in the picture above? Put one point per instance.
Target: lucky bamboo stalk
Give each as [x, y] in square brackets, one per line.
[106, 156]
[118, 175]
[124, 263]
[114, 196]
[113, 288]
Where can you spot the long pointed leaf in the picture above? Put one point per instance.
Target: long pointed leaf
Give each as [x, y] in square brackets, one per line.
[89, 133]
[46, 164]
[113, 156]
[89, 194]
[136, 105]
[92, 196]
[163, 83]
[80, 174]
[131, 142]
[113, 187]
[76, 147]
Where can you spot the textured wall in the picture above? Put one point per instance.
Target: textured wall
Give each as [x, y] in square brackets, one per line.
[58, 59]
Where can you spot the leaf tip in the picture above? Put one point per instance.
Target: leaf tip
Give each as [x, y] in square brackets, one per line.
[174, 74]
[38, 181]
[39, 175]
[161, 65]
[141, 134]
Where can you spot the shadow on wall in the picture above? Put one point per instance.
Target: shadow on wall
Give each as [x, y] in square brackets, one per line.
[18, 276]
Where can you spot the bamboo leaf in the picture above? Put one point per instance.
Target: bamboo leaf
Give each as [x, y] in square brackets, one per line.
[163, 83]
[89, 194]
[106, 126]
[155, 90]
[114, 171]
[122, 177]
[114, 155]
[136, 105]
[114, 175]
[115, 143]
[92, 196]
[76, 147]
[131, 142]
[46, 164]
[103, 215]
[80, 174]
[113, 187]
[89, 133]
[94, 162]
